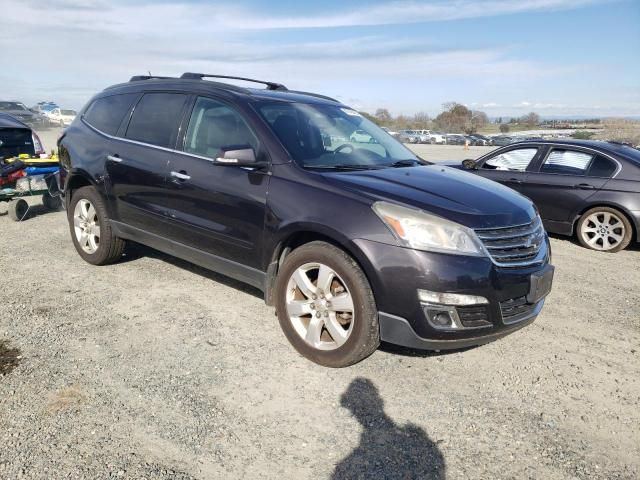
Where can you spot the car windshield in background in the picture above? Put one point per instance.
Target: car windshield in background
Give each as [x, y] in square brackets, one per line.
[68, 112]
[333, 137]
[7, 106]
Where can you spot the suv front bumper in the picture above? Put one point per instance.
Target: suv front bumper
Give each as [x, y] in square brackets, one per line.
[397, 274]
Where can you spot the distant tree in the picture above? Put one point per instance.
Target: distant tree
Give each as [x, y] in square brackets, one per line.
[479, 120]
[531, 119]
[421, 121]
[499, 120]
[370, 117]
[383, 115]
[456, 119]
[504, 127]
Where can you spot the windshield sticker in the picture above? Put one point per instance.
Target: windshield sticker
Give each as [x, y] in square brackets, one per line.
[348, 111]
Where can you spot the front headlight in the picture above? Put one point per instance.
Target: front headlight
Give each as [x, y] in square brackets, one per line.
[423, 231]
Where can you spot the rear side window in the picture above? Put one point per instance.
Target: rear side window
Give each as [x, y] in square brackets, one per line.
[568, 162]
[156, 118]
[106, 113]
[602, 167]
[514, 160]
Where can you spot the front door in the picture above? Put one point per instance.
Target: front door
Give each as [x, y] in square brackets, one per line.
[508, 166]
[212, 207]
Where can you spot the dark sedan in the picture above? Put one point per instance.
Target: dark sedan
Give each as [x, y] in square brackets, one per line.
[17, 138]
[582, 187]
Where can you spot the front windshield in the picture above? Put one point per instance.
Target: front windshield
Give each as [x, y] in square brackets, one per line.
[329, 136]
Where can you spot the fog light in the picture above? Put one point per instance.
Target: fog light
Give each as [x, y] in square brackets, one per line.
[442, 317]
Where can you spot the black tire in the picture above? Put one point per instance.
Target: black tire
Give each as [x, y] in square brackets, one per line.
[364, 338]
[110, 247]
[51, 203]
[584, 238]
[18, 209]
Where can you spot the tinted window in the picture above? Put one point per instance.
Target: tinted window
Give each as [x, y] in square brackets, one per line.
[569, 162]
[602, 167]
[514, 160]
[106, 113]
[155, 119]
[214, 125]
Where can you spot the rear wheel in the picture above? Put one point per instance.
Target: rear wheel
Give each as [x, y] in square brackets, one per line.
[91, 229]
[51, 203]
[326, 307]
[605, 229]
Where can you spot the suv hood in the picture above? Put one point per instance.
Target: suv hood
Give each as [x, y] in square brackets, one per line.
[456, 195]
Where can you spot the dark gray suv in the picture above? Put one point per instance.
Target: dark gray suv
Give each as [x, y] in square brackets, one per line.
[353, 242]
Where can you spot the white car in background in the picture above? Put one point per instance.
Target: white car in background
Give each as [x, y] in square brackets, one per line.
[435, 137]
[360, 136]
[62, 117]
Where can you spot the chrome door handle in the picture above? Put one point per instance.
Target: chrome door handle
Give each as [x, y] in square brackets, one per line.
[180, 176]
[585, 186]
[113, 158]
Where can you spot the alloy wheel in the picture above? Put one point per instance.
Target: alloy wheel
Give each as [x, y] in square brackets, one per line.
[320, 306]
[603, 231]
[86, 226]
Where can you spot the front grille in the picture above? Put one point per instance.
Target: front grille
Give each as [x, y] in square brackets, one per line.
[514, 246]
[474, 316]
[516, 309]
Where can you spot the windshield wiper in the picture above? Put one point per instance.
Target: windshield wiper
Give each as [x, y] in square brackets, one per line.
[406, 163]
[346, 166]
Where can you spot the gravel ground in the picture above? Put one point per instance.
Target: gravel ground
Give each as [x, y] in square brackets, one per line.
[153, 368]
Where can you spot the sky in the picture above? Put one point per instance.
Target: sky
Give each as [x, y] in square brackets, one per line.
[505, 57]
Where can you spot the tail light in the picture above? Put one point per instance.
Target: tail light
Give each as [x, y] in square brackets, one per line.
[37, 144]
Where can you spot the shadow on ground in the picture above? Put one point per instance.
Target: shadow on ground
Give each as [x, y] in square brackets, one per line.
[9, 358]
[386, 450]
[135, 251]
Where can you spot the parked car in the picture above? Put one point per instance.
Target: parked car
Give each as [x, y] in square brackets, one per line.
[502, 140]
[455, 139]
[408, 136]
[62, 117]
[17, 138]
[587, 188]
[434, 137]
[353, 245]
[22, 113]
[480, 140]
[360, 136]
[43, 108]
[393, 133]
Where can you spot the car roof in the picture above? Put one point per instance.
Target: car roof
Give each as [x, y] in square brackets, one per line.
[140, 84]
[9, 121]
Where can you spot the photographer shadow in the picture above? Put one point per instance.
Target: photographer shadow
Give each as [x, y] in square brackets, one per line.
[386, 450]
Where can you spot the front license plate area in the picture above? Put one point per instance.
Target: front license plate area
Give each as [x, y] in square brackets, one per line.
[540, 284]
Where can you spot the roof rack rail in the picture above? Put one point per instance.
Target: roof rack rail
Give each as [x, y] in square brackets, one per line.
[137, 78]
[200, 76]
[317, 95]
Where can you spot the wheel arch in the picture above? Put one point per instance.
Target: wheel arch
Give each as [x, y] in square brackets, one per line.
[301, 235]
[634, 227]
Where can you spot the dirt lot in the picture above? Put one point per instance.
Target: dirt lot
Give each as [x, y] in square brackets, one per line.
[154, 368]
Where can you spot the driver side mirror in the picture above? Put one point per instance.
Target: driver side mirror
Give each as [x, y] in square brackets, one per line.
[469, 164]
[239, 156]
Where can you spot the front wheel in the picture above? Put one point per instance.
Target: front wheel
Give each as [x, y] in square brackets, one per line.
[326, 307]
[604, 229]
[91, 229]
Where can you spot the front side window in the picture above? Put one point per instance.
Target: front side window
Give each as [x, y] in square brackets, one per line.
[156, 118]
[330, 136]
[214, 126]
[106, 113]
[513, 160]
[568, 162]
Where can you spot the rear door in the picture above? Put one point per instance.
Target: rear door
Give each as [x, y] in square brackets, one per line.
[218, 208]
[137, 165]
[509, 165]
[560, 186]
